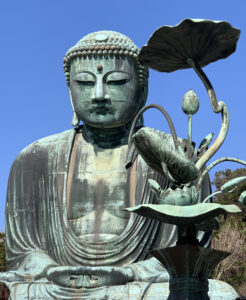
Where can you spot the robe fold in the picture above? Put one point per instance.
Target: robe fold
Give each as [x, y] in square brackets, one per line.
[38, 234]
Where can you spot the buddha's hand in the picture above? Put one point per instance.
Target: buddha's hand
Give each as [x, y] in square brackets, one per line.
[89, 277]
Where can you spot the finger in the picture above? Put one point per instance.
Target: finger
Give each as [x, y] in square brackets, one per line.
[73, 281]
[94, 282]
[83, 281]
[98, 270]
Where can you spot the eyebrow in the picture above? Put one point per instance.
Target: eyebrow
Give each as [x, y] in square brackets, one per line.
[84, 71]
[116, 71]
[104, 75]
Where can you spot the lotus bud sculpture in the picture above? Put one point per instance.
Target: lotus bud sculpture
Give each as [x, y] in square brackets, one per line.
[193, 44]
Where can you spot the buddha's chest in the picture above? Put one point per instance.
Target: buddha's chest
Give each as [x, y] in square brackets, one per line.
[98, 189]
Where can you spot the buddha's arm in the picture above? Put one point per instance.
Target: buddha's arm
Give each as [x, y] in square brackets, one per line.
[32, 267]
[25, 232]
[149, 270]
[82, 276]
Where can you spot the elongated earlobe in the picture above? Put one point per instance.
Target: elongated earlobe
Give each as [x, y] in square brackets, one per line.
[75, 120]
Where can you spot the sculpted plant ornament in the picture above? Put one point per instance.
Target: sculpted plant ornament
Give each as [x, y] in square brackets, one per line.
[202, 41]
[190, 44]
[194, 43]
[67, 234]
[158, 153]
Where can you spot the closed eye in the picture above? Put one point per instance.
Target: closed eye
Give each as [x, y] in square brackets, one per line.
[117, 82]
[117, 78]
[87, 83]
[85, 78]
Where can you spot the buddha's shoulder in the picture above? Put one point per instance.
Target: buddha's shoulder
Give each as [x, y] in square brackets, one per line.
[47, 145]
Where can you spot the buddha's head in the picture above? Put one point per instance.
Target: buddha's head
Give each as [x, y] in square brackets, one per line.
[107, 84]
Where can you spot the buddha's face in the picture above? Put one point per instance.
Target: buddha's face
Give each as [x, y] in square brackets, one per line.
[105, 91]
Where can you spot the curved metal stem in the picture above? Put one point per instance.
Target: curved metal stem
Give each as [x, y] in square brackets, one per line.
[190, 129]
[208, 197]
[164, 112]
[218, 107]
[218, 142]
[216, 162]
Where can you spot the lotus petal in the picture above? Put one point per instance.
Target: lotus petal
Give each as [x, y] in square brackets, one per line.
[230, 185]
[204, 144]
[183, 215]
[242, 198]
[203, 41]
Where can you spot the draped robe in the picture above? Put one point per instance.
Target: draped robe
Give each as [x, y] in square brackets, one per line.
[38, 233]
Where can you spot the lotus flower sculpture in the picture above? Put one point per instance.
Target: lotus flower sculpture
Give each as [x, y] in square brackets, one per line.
[190, 44]
[193, 43]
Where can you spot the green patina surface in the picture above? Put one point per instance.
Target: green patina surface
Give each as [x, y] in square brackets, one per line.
[66, 229]
[184, 215]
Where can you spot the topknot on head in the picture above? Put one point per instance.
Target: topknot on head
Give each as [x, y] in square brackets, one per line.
[104, 43]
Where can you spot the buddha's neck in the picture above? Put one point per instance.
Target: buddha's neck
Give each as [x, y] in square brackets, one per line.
[106, 137]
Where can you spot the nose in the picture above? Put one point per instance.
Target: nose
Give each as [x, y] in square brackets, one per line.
[99, 94]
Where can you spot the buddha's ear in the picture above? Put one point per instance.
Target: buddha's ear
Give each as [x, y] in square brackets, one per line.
[75, 119]
[143, 94]
[70, 96]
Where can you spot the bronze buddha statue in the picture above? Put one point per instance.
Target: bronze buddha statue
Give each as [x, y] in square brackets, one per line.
[68, 236]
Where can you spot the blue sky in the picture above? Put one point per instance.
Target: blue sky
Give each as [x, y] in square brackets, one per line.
[35, 36]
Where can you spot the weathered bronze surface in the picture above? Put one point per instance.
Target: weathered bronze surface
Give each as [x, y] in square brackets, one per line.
[184, 215]
[68, 235]
[188, 265]
[65, 224]
[203, 41]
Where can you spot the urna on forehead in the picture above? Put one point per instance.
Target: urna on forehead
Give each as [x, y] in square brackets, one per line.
[104, 44]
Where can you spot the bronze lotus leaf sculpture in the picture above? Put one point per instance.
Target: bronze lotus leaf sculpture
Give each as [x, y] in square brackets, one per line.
[179, 204]
[165, 154]
[193, 43]
[190, 44]
[242, 198]
[203, 41]
[183, 215]
[155, 148]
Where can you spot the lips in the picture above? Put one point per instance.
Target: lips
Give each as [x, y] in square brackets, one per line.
[102, 110]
